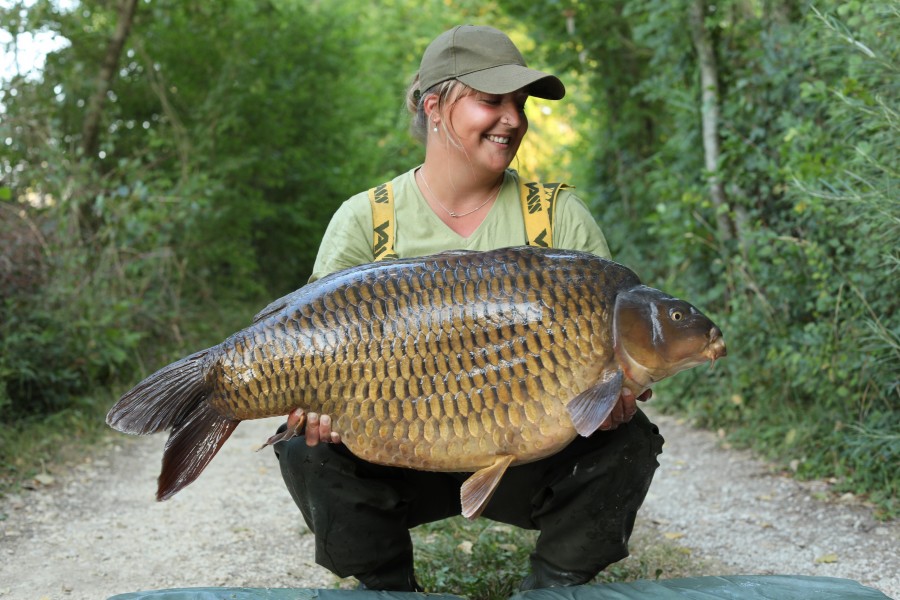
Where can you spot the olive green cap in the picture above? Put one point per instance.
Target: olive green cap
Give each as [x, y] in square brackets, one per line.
[484, 59]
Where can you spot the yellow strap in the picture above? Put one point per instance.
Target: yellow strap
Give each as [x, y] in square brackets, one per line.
[538, 201]
[382, 200]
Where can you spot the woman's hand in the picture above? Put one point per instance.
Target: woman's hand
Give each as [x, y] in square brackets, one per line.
[318, 429]
[624, 409]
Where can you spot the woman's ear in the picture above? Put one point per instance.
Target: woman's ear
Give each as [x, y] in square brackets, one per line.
[430, 105]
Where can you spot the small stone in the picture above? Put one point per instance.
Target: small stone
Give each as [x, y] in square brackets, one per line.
[44, 479]
[827, 558]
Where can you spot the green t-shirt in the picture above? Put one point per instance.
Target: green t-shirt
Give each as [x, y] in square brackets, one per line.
[418, 231]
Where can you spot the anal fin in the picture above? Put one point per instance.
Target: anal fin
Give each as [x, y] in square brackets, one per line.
[477, 490]
[590, 408]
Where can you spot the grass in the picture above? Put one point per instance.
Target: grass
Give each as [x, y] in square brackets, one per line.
[484, 560]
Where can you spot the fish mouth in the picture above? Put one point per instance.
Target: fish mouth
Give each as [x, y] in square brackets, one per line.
[716, 347]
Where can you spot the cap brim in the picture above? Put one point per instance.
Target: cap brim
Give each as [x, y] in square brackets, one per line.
[509, 78]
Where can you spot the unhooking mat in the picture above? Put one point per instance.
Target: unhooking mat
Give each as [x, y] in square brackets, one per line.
[752, 587]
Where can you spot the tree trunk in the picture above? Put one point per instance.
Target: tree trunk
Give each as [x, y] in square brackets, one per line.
[709, 83]
[90, 133]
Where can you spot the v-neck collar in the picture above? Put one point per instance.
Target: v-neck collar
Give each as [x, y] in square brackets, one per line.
[438, 222]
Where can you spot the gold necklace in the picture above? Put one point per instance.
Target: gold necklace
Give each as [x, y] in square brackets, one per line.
[450, 212]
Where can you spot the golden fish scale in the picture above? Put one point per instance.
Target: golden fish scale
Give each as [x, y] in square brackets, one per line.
[439, 365]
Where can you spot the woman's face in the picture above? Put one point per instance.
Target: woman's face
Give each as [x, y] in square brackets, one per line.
[488, 128]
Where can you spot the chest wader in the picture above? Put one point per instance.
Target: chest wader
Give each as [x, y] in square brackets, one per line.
[583, 500]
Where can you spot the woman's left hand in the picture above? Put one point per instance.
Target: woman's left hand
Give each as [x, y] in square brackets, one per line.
[624, 409]
[318, 429]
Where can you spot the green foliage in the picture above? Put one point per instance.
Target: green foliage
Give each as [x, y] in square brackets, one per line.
[77, 311]
[825, 267]
[475, 560]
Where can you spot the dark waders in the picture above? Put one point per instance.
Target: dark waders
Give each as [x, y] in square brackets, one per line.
[583, 500]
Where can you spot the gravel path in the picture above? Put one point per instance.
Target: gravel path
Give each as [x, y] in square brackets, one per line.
[730, 507]
[96, 531]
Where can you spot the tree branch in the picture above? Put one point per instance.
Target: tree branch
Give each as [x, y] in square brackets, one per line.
[709, 84]
[90, 132]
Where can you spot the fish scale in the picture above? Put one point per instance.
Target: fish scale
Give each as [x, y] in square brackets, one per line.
[462, 361]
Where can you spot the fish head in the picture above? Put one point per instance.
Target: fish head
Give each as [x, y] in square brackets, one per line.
[656, 335]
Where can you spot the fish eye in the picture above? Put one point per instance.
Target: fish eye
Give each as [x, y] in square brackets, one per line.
[676, 315]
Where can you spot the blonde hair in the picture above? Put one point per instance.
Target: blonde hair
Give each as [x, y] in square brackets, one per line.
[448, 92]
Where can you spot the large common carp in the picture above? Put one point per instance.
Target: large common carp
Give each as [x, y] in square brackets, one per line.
[461, 361]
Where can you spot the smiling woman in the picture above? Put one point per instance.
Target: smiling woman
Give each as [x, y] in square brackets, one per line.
[469, 98]
[468, 105]
[481, 131]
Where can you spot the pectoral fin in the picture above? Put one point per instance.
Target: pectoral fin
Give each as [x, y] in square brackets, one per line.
[590, 408]
[477, 490]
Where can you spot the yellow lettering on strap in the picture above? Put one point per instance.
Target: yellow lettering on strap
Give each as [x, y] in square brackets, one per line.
[538, 201]
[382, 200]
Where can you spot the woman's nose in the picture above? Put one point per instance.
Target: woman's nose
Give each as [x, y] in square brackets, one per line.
[512, 116]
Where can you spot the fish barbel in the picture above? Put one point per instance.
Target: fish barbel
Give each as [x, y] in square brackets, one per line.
[461, 361]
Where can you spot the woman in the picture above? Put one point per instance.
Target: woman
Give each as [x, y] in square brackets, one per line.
[468, 102]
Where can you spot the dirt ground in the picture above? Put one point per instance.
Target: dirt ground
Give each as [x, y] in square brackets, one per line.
[96, 530]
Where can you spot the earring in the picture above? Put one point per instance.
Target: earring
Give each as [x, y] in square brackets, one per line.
[435, 126]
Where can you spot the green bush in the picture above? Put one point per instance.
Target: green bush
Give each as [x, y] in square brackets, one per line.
[813, 373]
[77, 320]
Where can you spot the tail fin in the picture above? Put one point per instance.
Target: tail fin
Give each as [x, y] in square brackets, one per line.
[163, 399]
[175, 398]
